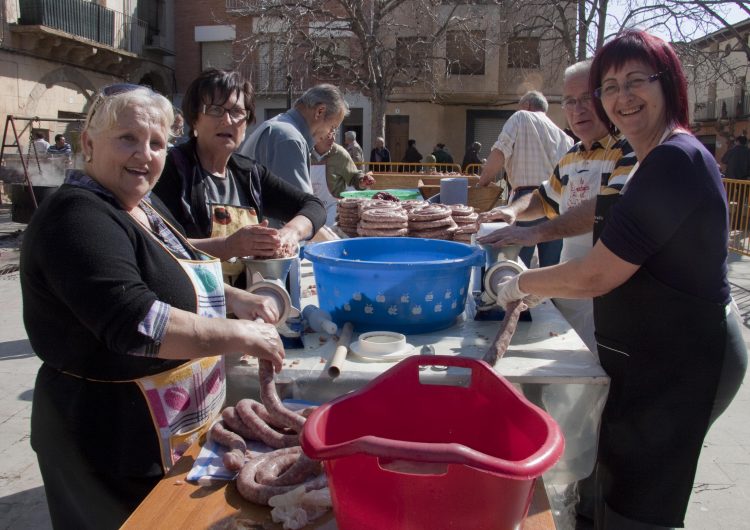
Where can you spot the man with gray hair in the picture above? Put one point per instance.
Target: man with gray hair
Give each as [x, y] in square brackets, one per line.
[283, 144]
[354, 149]
[528, 147]
[380, 152]
[597, 161]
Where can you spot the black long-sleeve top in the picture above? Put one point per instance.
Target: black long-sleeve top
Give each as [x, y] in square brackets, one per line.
[89, 275]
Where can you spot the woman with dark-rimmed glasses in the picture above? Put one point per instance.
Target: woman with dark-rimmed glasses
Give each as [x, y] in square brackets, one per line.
[226, 197]
[128, 320]
[665, 329]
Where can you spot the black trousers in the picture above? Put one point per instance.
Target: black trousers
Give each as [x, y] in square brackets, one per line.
[79, 498]
[732, 375]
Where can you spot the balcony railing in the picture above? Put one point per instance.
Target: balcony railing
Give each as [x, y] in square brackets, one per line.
[736, 107]
[86, 20]
[256, 6]
[238, 5]
[705, 110]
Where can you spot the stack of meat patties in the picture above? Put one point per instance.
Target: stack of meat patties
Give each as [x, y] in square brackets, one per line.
[347, 215]
[467, 220]
[381, 218]
[433, 221]
[391, 218]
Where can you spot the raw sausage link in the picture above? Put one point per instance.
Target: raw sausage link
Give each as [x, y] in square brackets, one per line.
[229, 439]
[234, 460]
[251, 490]
[247, 414]
[507, 328]
[271, 400]
[261, 411]
[233, 422]
[288, 469]
[255, 429]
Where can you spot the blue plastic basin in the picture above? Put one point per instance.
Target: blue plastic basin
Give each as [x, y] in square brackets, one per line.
[401, 284]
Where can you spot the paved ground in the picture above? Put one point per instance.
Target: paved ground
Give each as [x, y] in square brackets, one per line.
[721, 494]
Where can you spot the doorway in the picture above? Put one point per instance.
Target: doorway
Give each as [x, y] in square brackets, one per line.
[396, 136]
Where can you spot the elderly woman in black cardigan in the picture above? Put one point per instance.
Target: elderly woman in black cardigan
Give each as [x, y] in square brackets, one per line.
[127, 318]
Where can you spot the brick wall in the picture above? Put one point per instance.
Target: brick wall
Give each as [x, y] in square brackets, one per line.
[188, 15]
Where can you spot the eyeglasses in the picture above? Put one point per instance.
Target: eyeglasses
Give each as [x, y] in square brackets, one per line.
[611, 89]
[570, 103]
[109, 91]
[217, 111]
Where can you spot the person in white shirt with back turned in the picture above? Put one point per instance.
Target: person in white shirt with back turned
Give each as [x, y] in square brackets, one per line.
[529, 147]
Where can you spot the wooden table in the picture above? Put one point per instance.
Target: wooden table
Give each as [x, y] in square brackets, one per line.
[176, 503]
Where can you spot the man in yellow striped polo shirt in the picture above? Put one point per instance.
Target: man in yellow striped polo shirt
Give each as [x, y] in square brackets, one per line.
[597, 160]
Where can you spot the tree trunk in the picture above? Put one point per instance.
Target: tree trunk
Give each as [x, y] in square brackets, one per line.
[377, 126]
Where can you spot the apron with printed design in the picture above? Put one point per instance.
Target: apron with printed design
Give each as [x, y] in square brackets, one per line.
[184, 401]
[583, 184]
[225, 221]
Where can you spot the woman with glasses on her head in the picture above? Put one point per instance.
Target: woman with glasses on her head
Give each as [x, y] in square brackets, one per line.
[658, 274]
[128, 320]
[219, 194]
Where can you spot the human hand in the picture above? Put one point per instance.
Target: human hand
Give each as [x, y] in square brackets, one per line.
[263, 341]
[250, 306]
[510, 235]
[508, 290]
[501, 213]
[289, 243]
[254, 240]
[367, 179]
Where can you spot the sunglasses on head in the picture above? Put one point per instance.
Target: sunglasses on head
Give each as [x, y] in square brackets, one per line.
[109, 91]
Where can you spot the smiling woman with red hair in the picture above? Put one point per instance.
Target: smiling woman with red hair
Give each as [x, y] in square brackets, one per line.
[666, 331]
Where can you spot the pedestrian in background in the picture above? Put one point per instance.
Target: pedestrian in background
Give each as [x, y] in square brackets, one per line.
[442, 156]
[412, 156]
[380, 152]
[353, 147]
[472, 157]
[177, 132]
[40, 143]
[737, 160]
[61, 147]
[333, 170]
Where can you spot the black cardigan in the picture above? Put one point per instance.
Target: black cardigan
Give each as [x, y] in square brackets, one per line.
[89, 275]
[181, 189]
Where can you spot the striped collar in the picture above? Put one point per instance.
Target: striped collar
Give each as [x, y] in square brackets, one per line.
[605, 142]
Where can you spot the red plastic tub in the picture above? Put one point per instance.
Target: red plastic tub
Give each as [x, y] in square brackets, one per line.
[404, 454]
